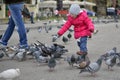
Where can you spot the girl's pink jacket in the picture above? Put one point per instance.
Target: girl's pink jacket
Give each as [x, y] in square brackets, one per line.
[83, 25]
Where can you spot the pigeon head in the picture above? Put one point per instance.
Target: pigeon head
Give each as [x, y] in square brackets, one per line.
[99, 61]
[73, 58]
[115, 49]
[18, 70]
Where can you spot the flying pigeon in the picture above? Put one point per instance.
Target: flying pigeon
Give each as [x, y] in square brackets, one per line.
[93, 67]
[10, 74]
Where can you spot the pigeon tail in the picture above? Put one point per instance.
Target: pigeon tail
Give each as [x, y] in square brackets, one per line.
[83, 70]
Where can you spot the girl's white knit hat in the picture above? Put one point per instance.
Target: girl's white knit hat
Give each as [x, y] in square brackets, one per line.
[74, 9]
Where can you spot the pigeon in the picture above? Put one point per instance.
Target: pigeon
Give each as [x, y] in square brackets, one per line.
[96, 31]
[93, 67]
[70, 30]
[55, 37]
[59, 27]
[116, 26]
[83, 61]
[1, 55]
[64, 39]
[45, 26]
[21, 56]
[69, 36]
[10, 74]
[49, 22]
[51, 63]
[118, 56]
[110, 62]
[42, 59]
[71, 60]
[46, 29]
[11, 55]
[111, 52]
[39, 29]
[1, 36]
[50, 28]
[27, 30]
[36, 54]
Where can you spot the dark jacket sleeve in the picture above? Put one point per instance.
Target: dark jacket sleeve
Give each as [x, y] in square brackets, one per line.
[12, 1]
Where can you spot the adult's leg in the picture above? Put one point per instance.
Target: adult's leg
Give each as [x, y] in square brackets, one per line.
[17, 18]
[8, 32]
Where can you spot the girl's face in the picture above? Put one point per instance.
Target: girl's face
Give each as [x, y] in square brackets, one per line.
[74, 16]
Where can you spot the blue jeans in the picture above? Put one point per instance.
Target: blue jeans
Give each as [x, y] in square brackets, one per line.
[15, 20]
[82, 43]
[31, 18]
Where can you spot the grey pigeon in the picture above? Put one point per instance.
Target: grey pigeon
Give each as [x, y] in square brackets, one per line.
[117, 26]
[39, 29]
[51, 63]
[70, 30]
[10, 52]
[112, 51]
[96, 31]
[12, 55]
[59, 27]
[65, 39]
[71, 60]
[110, 62]
[42, 59]
[50, 28]
[1, 55]
[27, 30]
[69, 36]
[93, 67]
[45, 26]
[55, 37]
[118, 56]
[1, 36]
[21, 56]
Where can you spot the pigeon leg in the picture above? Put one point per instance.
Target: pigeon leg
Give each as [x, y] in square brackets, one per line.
[51, 69]
[93, 74]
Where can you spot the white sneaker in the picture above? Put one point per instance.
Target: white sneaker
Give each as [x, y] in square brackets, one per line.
[2, 46]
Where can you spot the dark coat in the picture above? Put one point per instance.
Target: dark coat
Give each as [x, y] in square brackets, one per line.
[12, 1]
[26, 12]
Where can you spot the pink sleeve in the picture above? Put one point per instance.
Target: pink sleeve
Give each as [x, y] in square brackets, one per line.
[89, 23]
[64, 28]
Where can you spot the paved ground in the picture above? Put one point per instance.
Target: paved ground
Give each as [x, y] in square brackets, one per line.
[107, 38]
